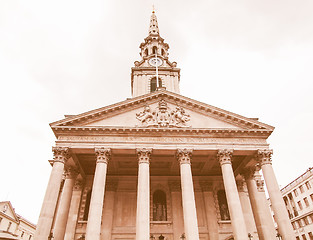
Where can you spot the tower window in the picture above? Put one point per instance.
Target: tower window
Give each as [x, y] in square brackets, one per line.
[159, 206]
[153, 84]
[222, 202]
[154, 50]
[163, 52]
[146, 52]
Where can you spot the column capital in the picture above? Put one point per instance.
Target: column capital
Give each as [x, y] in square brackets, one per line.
[103, 155]
[224, 156]
[71, 172]
[241, 185]
[184, 155]
[264, 156]
[78, 184]
[260, 185]
[248, 172]
[61, 154]
[143, 155]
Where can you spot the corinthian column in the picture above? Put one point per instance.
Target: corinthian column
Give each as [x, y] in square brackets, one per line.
[264, 225]
[50, 200]
[188, 196]
[65, 202]
[233, 201]
[143, 195]
[97, 195]
[278, 205]
[73, 212]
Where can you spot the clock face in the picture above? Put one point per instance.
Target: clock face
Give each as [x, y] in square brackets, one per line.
[155, 62]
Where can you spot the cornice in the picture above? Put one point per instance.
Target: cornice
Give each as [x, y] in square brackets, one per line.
[94, 130]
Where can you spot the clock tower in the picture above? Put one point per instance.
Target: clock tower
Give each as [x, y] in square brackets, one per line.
[154, 71]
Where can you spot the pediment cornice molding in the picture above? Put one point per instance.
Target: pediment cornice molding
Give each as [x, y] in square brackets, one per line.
[248, 124]
[94, 130]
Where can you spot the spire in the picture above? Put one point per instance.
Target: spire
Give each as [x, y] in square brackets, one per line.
[153, 29]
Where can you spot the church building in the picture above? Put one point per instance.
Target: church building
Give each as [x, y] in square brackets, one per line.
[161, 166]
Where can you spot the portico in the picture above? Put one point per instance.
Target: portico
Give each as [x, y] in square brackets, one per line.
[159, 165]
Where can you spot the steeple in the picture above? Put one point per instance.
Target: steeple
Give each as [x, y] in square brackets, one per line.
[154, 71]
[154, 28]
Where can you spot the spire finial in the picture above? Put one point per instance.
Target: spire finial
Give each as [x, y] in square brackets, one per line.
[153, 29]
[153, 8]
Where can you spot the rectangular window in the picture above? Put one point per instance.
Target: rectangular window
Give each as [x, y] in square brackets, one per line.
[295, 192]
[300, 205]
[297, 238]
[311, 196]
[306, 201]
[306, 221]
[308, 185]
[311, 236]
[303, 237]
[294, 226]
[301, 189]
[22, 234]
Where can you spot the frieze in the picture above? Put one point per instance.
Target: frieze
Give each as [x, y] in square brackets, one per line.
[163, 116]
[161, 139]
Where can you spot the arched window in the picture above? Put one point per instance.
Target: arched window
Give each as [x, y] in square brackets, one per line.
[153, 84]
[222, 202]
[154, 50]
[163, 52]
[159, 206]
[87, 205]
[146, 52]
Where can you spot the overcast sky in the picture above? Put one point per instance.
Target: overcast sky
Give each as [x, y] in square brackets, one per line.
[252, 58]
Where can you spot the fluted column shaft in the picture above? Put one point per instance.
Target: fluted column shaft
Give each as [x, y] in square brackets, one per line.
[65, 202]
[73, 212]
[143, 195]
[188, 196]
[278, 205]
[210, 209]
[50, 200]
[246, 207]
[97, 195]
[235, 210]
[265, 228]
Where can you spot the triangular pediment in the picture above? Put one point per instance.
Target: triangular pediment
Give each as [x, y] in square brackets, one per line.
[162, 109]
[7, 210]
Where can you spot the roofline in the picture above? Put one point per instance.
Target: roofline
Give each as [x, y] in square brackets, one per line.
[310, 169]
[176, 97]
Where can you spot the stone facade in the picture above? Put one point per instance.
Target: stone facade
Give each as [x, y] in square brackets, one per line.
[14, 226]
[160, 166]
[298, 198]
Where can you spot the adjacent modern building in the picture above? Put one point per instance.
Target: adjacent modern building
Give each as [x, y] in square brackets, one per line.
[160, 165]
[298, 198]
[14, 226]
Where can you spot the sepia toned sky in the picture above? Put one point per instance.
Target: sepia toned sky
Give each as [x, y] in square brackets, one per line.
[253, 58]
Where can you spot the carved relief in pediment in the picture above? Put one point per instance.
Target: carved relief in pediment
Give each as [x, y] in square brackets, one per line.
[163, 116]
